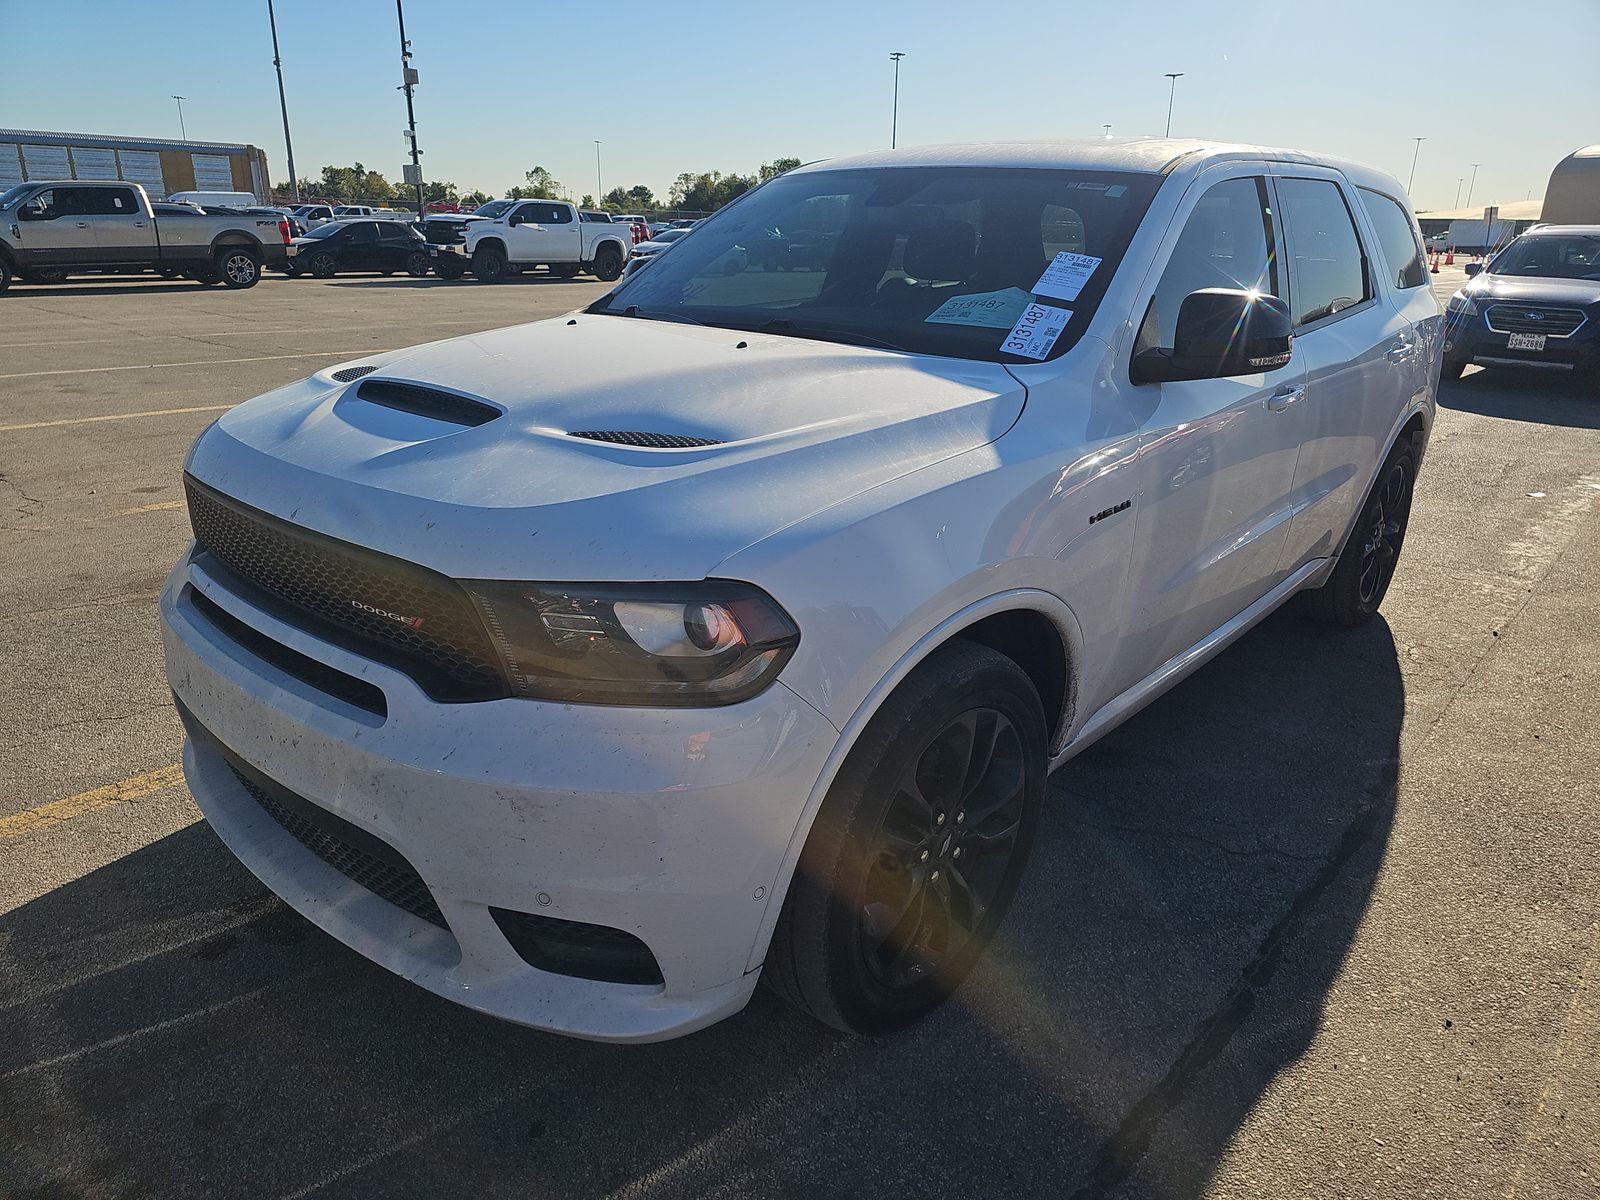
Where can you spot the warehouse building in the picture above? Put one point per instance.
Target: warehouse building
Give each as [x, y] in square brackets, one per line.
[161, 166]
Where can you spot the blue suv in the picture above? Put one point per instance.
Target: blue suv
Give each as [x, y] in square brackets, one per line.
[1536, 305]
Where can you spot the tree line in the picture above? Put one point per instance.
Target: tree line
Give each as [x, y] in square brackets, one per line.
[695, 191]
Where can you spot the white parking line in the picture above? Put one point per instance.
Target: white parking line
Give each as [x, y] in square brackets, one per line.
[154, 412]
[199, 362]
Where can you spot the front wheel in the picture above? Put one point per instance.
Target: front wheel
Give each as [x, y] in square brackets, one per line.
[416, 264]
[1361, 578]
[608, 264]
[323, 265]
[918, 847]
[489, 265]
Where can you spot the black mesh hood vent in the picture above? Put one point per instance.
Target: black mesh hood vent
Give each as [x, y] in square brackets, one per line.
[350, 374]
[655, 441]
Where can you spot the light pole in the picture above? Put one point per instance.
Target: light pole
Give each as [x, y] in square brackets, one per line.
[1171, 96]
[598, 194]
[1107, 128]
[1414, 153]
[1471, 183]
[894, 120]
[288, 144]
[409, 78]
[1459, 182]
[181, 129]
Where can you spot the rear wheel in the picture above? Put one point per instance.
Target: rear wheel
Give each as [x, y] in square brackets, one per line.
[323, 265]
[918, 847]
[238, 267]
[489, 265]
[1361, 578]
[608, 264]
[416, 264]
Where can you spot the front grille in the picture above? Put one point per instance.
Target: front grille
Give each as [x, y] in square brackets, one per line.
[1534, 318]
[384, 608]
[634, 437]
[348, 849]
[291, 662]
[427, 402]
[444, 232]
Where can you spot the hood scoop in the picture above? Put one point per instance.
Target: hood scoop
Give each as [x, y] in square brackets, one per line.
[450, 407]
[653, 441]
[351, 374]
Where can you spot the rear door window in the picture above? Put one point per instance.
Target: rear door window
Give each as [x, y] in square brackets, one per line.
[1329, 269]
[1398, 239]
[363, 232]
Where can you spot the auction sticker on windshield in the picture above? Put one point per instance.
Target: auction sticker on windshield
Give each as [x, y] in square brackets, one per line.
[1064, 278]
[1036, 331]
[987, 310]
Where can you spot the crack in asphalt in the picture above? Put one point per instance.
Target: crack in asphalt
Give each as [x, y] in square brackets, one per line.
[1121, 1152]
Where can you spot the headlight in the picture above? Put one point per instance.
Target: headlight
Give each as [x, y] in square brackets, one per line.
[679, 644]
[1462, 305]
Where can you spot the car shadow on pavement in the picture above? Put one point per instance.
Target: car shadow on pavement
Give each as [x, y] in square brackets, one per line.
[173, 1030]
[525, 280]
[1539, 397]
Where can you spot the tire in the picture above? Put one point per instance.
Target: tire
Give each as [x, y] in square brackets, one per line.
[1366, 566]
[5, 275]
[565, 270]
[608, 264]
[238, 267]
[896, 823]
[1452, 368]
[488, 264]
[323, 265]
[416, 264]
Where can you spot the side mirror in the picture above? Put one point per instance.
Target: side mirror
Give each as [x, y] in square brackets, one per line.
[1221, 333]
[1473, 269]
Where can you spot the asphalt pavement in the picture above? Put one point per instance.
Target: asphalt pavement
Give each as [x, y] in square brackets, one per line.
[1324, 921]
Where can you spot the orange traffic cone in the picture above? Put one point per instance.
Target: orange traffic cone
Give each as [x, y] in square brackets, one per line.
[1450, 257]
[1436, 263]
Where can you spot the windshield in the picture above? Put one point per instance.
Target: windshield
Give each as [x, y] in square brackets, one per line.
[1567, 256]
[494, 208]
[328, 230]
[934, 260]
[12, 196]
[670, 235]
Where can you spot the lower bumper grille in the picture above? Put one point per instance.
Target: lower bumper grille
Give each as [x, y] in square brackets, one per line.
[350, 850]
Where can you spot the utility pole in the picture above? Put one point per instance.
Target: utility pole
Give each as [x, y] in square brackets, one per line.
[181, 128]
[1459, 182]
[1472, 183]
[1414, 153]
[283, 103]
[410, 77]
[597, 192]
[1171, 96]
[894, 122]
[1107, 128]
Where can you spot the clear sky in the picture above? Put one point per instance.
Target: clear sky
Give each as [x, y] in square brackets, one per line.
[706, 85]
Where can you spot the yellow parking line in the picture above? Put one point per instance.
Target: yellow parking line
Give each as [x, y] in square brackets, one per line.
[156, 507]
[154, 412]
[29, 819]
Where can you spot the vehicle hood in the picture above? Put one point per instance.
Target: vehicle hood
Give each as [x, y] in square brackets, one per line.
[798, 425]
[1534, 288]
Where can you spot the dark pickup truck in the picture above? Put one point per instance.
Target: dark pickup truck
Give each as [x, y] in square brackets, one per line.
[49, 229]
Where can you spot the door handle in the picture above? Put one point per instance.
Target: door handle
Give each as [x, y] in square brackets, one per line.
[83, 224]
[1400, 352]
[1284, 397]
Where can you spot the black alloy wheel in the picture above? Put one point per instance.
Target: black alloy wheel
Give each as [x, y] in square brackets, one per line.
[416, 264]
[1385, 522]
[939, 859]
[608, 264]
[323, 264]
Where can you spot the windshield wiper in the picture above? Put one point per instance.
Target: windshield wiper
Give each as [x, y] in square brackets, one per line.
[654, 314]
[823, 333]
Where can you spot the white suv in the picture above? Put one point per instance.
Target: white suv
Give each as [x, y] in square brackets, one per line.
[584, 671]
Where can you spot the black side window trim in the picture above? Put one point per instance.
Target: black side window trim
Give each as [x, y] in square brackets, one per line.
[1371, 293]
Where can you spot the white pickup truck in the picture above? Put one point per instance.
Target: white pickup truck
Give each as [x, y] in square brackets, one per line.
[528, 233]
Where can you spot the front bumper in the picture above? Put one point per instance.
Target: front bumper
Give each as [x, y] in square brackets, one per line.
[439, 249]
[1471, 339]
[668, 824]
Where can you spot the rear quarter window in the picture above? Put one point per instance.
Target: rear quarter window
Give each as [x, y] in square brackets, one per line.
[1398, 239]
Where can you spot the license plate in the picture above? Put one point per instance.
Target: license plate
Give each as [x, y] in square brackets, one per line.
[1525, 341]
